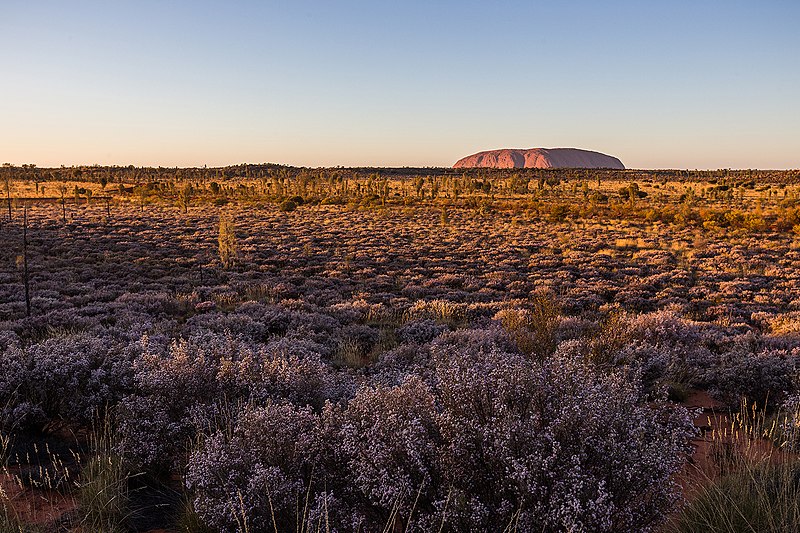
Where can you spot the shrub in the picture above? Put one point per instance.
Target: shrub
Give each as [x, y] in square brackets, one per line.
[388, 437]
[155, 423]
[177, 392]
[554, 445]
[485, 437]
[442, 311]
[254, 476]
[228, 248]
[287, 206]
[68, 379]
[766, 378]
[533, 330]
[420, 331]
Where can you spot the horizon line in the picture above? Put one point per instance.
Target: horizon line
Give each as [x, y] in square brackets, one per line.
[322, 167]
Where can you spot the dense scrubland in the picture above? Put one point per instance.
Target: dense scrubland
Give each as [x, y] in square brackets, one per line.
[265, 348]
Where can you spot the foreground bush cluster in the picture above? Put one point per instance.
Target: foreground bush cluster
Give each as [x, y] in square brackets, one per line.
[382, 370]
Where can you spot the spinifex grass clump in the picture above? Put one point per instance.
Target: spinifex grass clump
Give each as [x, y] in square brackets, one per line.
[6, 522]
[102, 490]
[11, 524]
[761, 497]
[187, 520]
[5, 446]
[751, 482]
[33, 479]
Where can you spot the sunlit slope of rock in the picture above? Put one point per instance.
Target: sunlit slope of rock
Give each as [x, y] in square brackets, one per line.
[539, 158]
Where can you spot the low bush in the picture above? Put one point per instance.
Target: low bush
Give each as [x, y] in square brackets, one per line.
[489, 437]
[287, 206]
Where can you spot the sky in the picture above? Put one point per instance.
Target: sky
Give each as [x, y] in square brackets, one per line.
[679, 84]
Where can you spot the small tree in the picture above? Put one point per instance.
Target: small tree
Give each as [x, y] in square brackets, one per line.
[185, 196]
[228, 253]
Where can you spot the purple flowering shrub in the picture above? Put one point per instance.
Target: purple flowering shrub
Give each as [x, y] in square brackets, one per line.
[554, 446]
[287, 368]
[420, 331]
[790, 423]
[664, 347]
[254, 476]
[767, 378]
[153, 422]
[70, 379]
[661, 344]
[388, 438]
[490, 437]
[177, 387]
[18, 411]
[254, 321]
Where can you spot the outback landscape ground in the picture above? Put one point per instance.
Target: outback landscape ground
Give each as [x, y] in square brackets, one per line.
[268, 348]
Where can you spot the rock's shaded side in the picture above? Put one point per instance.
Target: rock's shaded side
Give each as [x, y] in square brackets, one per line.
[539, 158]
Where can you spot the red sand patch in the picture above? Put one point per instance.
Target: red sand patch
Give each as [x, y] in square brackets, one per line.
[33, 506]
[713, 418]
[718, 430]
[39, 507]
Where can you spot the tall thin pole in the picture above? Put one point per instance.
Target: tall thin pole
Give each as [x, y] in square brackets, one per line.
[25, 261]
[8, 195]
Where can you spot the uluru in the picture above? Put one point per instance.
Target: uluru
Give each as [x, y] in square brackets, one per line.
[539, 158]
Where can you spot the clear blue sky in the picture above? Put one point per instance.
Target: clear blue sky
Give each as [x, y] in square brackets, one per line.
[680, 84]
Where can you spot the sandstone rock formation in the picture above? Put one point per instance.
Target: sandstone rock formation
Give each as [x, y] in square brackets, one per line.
[539, 158]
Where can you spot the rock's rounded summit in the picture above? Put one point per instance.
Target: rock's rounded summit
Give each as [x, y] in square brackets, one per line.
[539, 158]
